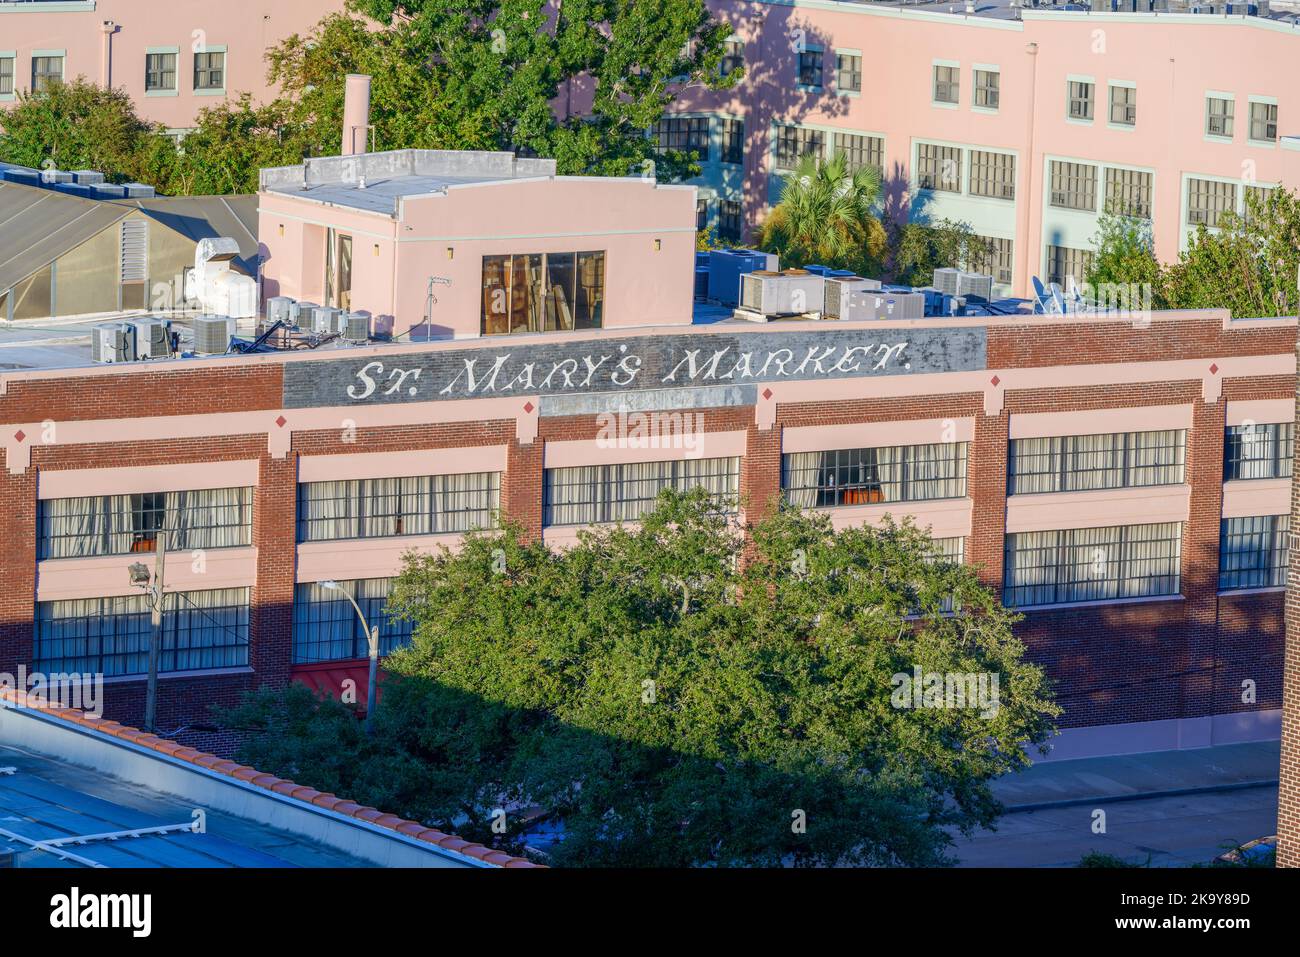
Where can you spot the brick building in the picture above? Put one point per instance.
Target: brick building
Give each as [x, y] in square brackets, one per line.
[1036, 448]
[1288, 801]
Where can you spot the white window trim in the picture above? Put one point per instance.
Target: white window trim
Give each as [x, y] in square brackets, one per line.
[940, 104]
[993, 201]
[1080, 78]
[1251, 141]
[1117, 85]
[10, 55]
[1239, 206]
[1205, 116]
[225, 71]
[175, 51]
[985, 68]
[808, 87]
[846, 51]
[964, 148]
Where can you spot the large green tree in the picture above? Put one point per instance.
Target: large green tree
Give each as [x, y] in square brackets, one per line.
[1125, 263]
[826, 215]
[581, 82]
[675, 697]
[921, 247]
[1249, 265]
[78, 125]
[503, 74]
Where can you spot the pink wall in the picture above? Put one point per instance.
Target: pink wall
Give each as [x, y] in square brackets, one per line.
[447, 236]
[1173, 60]
[246, 28]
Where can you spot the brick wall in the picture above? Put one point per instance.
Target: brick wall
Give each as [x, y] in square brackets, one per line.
[1184, 657]
[1288, 799]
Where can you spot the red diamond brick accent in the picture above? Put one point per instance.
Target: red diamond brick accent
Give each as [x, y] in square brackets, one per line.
[1214, 369]
[767, 393]
[280, 421]
[528, 407]
[20, 435]
[995, 380]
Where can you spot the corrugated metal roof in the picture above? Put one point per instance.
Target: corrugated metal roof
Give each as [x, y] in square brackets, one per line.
[37, 226]
[207, 217]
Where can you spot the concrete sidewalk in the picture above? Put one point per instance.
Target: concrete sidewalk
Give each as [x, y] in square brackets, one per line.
[1136, 776]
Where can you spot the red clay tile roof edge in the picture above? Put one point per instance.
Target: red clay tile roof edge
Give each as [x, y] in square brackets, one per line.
[280, 786]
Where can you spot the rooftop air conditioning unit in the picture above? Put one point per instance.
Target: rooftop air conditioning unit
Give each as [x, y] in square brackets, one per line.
[113, 342]
[839, 292]
[888, 305]
[975, 285]
[217, 287]
[212, 334]
[956, 282]
[356, 326]
[280, 309]
[326, 320]
[945, 280]
[781, 294]
[153, 338]
[300, 313]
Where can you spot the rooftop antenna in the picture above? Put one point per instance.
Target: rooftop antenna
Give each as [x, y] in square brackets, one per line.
[430, 301]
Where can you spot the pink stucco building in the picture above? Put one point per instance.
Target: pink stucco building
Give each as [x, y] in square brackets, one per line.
[1023, 123]
[173, 58]
[455, 244]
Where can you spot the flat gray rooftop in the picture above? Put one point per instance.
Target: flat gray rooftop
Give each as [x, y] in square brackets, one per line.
[381, 195]
[47, 800]
[65, 343]
[375, 182]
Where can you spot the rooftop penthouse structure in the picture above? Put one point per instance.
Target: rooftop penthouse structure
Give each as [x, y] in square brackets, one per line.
[464, 244]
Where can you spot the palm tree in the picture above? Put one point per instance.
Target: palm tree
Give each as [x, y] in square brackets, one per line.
[825, 216]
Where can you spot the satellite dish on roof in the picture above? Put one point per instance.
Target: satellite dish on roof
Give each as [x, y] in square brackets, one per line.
[1058, 300]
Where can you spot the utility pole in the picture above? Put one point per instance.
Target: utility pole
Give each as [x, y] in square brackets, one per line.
[155, 632]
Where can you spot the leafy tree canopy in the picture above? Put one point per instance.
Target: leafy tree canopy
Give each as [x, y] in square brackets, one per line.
[1126, 255]
[77, 125]
[673, 705]
[922, 247]
[826, 216]
[451, 74]
[1248, 264]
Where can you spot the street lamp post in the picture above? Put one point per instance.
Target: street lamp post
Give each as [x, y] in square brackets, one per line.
[372, 640]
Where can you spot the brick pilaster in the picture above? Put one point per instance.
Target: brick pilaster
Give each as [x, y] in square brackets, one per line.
[521, 486]
[274, 533]
[760, 472]
[1200, 558]
[986, 485]
[17, 568]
